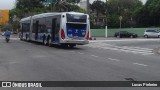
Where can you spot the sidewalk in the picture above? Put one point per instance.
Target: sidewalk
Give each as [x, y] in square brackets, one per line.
[104, 38]
[114, 38]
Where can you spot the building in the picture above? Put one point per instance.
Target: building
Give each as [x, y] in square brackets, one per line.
[99, 20]
[4, 17]
[83, 4]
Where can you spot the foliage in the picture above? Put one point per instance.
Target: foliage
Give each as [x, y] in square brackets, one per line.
[5, 27]
[124, 8]
[73, 1]
[99, 7]
[149, 14]
[24, 8]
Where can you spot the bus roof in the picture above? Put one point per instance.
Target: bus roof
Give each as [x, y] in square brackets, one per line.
[49, 14]
[25, 19]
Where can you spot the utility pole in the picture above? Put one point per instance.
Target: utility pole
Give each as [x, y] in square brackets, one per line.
[120, 18]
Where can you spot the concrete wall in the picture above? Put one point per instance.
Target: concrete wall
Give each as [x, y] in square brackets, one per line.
[110, 32]
[97, 32]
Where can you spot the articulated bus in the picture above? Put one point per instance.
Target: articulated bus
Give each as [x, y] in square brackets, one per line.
[65, 28]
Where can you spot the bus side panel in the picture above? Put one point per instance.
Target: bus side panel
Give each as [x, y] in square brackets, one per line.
[57, 32]
[38, 29]
[30, 31]
[25, 30]
[63, 27]
[53, 28]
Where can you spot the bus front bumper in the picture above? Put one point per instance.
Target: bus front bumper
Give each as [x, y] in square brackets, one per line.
[78, 42]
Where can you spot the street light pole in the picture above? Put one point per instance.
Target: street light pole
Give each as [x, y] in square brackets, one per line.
[120, 18]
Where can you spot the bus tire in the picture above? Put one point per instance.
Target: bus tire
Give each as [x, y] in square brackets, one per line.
[64, 45]
[72, 45]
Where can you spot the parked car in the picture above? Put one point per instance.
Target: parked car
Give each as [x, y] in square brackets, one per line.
[121, 34]
[151, 33]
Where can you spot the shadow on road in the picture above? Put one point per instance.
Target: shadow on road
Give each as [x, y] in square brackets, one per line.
[56, 46]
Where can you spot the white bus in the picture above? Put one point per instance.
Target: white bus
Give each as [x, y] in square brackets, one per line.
[65, 28]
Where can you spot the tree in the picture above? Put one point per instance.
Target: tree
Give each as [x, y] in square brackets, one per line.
[149, 14]
[29, 6]
[68, 5]
[124, 8]
[98, 7]
[73, 1]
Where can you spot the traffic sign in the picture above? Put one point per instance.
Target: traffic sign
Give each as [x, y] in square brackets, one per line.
[120, 17]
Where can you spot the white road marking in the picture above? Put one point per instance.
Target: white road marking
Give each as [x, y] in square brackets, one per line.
[148, 54]
[135, 50]
[80, 53]
[94, 56]
[139, 48]
[140, 64]
[113, 59]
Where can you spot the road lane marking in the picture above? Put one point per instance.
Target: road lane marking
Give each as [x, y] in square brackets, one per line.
[147, 54]
[138, 48]
[113, 59]
[80, 53]
[94, 56]
[140, 64]
[134, 50]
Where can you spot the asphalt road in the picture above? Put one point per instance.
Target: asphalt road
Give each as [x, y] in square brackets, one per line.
[99, 61]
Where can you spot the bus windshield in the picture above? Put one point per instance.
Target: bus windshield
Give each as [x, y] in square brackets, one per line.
[76, 18]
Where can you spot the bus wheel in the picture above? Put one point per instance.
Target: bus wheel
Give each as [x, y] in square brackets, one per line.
[72, 45]
[64, 45]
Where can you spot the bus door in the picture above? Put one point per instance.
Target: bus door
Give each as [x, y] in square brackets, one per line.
[36, 33]
[53, 29]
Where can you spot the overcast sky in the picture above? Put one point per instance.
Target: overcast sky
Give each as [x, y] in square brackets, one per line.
[9, 4]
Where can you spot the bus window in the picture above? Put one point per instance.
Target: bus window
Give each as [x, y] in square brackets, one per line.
[76, 18]
[76, 26]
